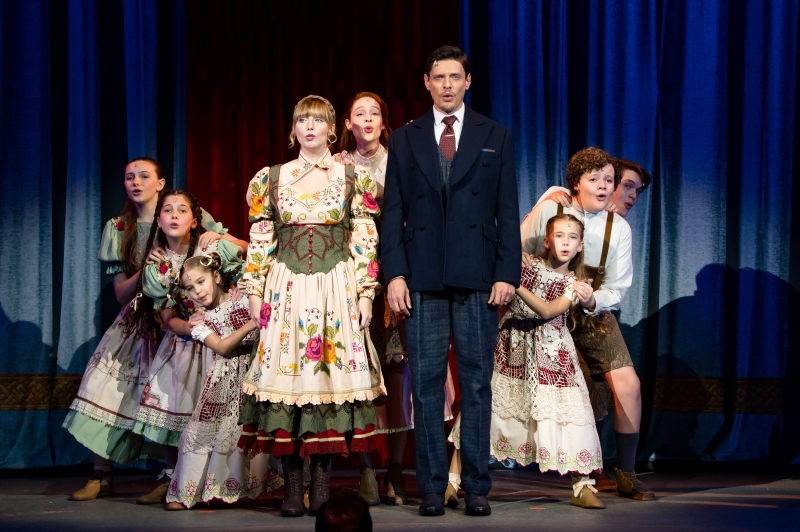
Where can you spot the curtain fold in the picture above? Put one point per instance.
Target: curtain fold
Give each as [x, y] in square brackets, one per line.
[68, 68]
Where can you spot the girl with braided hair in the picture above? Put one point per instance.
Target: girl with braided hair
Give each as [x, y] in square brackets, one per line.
[101, 415]
[175, 377]
[210, 465]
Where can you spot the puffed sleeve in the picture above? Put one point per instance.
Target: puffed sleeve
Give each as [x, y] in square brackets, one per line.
[364, 234]
[231, 256]
[261, 249]
[208, 222]
[155, 284]
[111, 245]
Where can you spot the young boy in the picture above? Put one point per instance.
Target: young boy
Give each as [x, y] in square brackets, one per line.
[592, 179]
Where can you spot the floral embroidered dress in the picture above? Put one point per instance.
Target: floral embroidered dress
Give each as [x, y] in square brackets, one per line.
[101, 416]
[540, 404]
[311, 256]
[175, 379]
[210, 466]
[393, 412]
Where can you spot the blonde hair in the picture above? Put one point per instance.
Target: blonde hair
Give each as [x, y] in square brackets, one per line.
[316, 107]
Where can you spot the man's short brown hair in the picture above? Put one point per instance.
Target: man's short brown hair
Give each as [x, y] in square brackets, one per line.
[444, 53]
[588, 160]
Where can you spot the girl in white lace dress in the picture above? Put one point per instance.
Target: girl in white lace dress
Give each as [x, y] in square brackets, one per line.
[541, 410]
[210, 466]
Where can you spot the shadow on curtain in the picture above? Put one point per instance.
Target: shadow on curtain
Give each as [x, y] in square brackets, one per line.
[704, 94]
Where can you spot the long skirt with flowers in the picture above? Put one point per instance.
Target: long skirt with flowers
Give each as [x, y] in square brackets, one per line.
[541, 410]
[210, 466]
[311, 388]
[172, 388]
[101, 416]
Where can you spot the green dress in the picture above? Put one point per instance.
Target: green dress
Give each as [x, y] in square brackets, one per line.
[101, 416]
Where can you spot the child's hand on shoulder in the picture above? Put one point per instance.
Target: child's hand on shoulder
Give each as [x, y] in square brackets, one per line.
[196, 319]
[156, 255]
[527, 259]
[207, 238]
[584, 293]
[236, 294]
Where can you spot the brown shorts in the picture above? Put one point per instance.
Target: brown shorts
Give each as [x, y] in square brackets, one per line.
[603, 353]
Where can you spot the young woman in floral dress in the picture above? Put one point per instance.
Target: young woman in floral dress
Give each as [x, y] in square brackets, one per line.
[311, 277]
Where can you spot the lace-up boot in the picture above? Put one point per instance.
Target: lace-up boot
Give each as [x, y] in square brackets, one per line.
[293, 486]
[320, 477]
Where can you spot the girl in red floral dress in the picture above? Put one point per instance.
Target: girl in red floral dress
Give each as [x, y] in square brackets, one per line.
[541, 410]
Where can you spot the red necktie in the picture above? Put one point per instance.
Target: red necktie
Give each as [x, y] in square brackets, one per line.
[447, 142]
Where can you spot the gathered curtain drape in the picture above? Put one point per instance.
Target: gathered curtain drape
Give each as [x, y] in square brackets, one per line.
[86, 85]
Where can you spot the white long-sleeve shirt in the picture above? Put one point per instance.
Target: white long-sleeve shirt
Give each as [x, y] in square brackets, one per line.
[619, 267]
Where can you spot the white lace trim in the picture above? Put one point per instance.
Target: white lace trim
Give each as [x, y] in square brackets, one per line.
[103, 416]
[315, 398]
[161, 420]
[214, 424]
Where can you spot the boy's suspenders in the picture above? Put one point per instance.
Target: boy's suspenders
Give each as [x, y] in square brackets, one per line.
[598, 272]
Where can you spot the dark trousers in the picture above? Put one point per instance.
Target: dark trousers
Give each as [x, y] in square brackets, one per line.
[474, 327]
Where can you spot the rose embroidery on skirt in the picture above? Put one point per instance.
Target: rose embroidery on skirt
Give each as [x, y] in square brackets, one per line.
[314, 348]
[584, 458]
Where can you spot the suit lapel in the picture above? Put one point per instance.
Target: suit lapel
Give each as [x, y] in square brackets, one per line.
[474, 133]
[423, 144]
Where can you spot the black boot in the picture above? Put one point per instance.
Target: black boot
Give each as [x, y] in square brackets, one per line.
[293, 486]
[320, 476]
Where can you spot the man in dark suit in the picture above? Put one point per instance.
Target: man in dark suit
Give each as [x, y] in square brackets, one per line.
[450, 250]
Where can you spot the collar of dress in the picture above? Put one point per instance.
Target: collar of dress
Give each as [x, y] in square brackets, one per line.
[306, 165]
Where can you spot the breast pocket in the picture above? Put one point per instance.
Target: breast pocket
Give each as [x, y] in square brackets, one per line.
[489, 250]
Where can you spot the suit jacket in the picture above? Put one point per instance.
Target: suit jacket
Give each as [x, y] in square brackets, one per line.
[478, 242]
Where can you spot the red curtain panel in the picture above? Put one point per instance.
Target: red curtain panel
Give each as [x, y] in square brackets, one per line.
[248, 63]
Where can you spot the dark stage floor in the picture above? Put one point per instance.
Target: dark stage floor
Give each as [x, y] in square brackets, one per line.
[521, 500]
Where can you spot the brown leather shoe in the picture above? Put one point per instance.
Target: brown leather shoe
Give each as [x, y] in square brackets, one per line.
[631, 487]
[368, 489]
[602, 482]
[174, 506]
[156, 496]
[94, 489]
[587, 499]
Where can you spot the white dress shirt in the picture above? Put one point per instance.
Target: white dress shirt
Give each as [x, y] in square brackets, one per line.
[619, 266]
[439, 126]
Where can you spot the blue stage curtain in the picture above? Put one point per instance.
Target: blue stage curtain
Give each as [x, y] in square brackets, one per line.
[704, 95]
[84, 86]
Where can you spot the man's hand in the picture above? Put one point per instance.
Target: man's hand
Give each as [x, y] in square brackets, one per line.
[502, 293]
[585, 294]
[399, 297]
[560, 197]
[612, 207]
[364, 312]
[207, 238]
